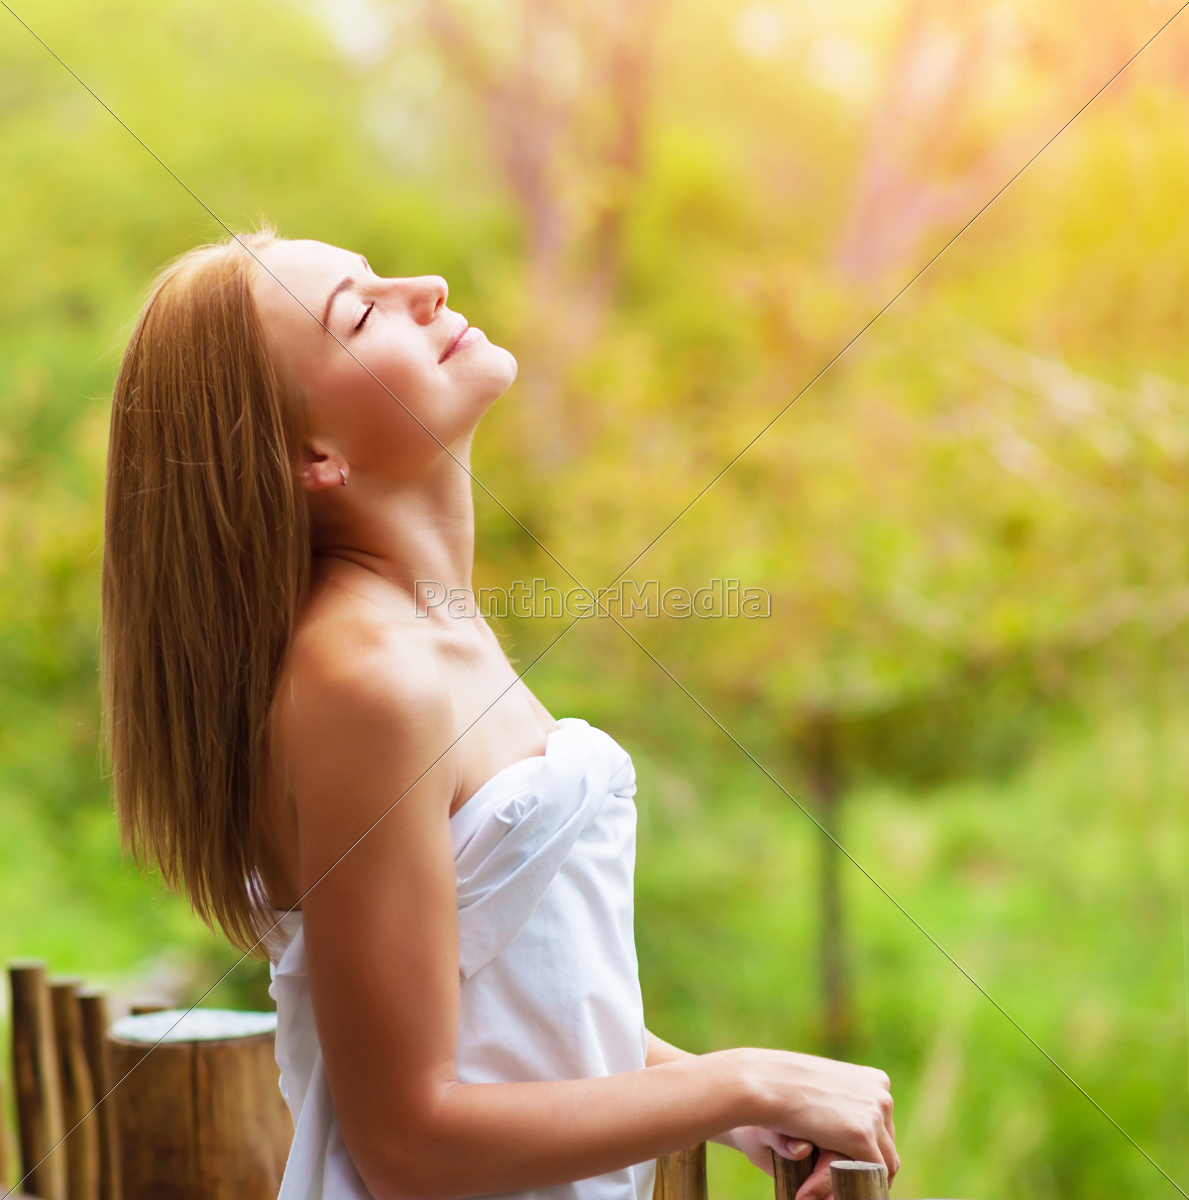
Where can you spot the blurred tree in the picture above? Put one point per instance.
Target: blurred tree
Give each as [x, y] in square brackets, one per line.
[676, 215]
[970, 92]
[911, 520]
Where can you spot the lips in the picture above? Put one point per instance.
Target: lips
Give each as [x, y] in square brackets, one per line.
[455, 341]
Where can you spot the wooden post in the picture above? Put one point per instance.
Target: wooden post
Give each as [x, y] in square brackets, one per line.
[788, 1174]
[201, 1116]
[78, 1096]
[36, 1082]
[93, 1006]
[681, 1175]
[859, 1181]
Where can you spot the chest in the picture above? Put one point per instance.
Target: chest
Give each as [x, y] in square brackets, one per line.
[496, 718]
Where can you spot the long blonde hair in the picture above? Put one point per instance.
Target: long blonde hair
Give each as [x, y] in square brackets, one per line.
[205, 565]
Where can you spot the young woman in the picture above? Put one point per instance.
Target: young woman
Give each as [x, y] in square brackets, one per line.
[295, 738]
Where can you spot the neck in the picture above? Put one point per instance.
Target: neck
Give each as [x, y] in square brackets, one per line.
[419, 530]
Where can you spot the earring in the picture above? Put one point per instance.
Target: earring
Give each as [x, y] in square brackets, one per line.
[343, 476]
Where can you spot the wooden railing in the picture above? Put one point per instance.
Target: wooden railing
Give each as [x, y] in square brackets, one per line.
[682, 1176]
[201, 1117]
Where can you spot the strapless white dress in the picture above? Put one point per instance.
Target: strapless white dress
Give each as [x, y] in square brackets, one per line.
[544, 855]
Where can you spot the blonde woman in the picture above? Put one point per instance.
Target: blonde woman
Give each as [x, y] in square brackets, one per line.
[295, 741]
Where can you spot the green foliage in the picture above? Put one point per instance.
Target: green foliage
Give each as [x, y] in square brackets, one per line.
[1058, 890]
[974, 527]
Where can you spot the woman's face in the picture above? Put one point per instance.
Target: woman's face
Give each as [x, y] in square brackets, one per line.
[387, 338]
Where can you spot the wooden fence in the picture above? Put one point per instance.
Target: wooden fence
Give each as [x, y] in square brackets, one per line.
[200, 1117]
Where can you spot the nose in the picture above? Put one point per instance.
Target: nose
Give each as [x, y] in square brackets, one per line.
[427, 296]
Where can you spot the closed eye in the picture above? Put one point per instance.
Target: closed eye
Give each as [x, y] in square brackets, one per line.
[365, 316]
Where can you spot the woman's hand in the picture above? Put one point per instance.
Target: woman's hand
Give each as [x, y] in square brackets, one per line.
[837, 1106]
[757, 1144]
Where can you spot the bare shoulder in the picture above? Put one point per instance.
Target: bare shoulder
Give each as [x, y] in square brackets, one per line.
[355, 683]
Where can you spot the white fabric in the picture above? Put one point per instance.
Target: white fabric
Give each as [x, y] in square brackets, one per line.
[544, 855]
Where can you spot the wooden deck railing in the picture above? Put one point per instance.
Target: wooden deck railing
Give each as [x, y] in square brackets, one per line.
[682, 1176]
[201, 1117]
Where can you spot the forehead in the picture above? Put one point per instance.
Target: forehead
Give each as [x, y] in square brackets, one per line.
[303, 269]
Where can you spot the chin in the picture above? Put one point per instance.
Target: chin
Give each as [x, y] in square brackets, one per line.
[510, 366]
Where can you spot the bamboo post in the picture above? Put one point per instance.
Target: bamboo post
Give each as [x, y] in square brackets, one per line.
[788, 1174]
[681, 1175]
[201, 1114]
[78, 1096]
[859, 1181]
[36, 1082]
[93, 1006]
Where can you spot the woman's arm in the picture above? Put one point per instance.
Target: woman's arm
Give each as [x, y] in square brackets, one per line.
[363, 729]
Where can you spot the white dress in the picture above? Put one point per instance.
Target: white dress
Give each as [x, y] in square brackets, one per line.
[544, 854]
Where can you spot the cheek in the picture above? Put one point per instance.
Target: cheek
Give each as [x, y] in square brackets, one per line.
[403, 374]
[396, 407]
[447, 400]
[399, 415]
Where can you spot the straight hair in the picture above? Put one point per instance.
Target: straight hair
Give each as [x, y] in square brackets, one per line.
[206, 562]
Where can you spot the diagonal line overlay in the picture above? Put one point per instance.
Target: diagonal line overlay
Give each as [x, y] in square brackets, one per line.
[867, 874]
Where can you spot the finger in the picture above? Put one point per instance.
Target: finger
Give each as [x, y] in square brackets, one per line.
[868, 1147]
[887, 1153]
[791, 1148]
[889, 1123]
[887, 1108]
[818, 1186]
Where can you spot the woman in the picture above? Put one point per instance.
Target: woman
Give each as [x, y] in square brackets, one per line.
[295, 739]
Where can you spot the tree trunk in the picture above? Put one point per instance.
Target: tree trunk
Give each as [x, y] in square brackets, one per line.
[824, 772]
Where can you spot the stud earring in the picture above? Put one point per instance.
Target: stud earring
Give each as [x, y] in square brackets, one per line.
[343, 476]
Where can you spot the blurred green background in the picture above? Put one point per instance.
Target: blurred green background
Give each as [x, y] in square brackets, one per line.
[974, 527]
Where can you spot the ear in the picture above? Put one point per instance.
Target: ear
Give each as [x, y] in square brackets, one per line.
[319, 468]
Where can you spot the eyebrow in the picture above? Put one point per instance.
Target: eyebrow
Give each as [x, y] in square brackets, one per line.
[342, 286]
